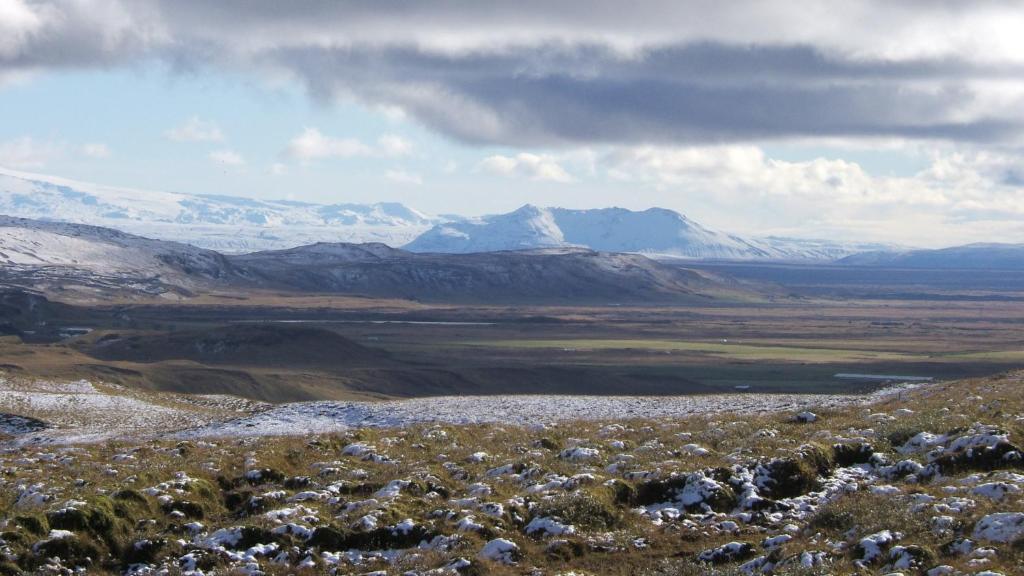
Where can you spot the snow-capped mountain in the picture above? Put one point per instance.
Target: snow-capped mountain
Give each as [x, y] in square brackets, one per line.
[655, 231]
[242, 225]
[815, 250]
[224, 223]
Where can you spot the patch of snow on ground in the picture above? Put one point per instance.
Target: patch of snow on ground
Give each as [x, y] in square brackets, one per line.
[325, 417]
[81, 412]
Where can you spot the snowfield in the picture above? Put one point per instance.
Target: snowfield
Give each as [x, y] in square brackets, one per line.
[323, 417]
[77, 412]
[84, 412]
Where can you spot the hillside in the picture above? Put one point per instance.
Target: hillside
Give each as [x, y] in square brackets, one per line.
[924, 480]
[56, 256]
[238, 345]
[99, 262]
[556, 274]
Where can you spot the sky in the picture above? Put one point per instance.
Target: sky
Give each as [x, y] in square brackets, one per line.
[884, 120]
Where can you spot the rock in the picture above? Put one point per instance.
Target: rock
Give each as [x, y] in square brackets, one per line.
[1000, 527]
[806, 417]
[731, 552]
[501, 551]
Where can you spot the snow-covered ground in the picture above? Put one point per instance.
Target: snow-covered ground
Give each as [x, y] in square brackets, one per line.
[81, 412]
[323, 417]
[84, 412]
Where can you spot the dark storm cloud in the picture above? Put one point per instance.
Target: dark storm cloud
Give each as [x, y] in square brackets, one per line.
[552, 73]
[551, 95]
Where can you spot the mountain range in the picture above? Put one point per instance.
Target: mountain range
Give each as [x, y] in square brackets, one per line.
[223, 223]
[239, 225]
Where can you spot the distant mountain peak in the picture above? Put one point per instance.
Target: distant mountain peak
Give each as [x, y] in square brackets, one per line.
[654, 231]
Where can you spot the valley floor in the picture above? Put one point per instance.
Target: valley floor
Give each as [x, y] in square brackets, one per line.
[927, 480]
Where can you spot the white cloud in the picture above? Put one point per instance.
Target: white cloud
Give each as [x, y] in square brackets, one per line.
[525, 165]
[314, 145]
[400, 176]
[96, 150]
[195, 130]
[394, 145]
[955, 199]
[278, 169]
[229, 157]
[393, 114]
[450, 167]
[26, 152]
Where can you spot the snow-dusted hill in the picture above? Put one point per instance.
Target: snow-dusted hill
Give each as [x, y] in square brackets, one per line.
[655, 231]
[53, 257]
[549, 274]
[223, 223]
[42, 254]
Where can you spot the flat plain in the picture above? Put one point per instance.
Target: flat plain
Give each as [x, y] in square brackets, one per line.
[280, 347]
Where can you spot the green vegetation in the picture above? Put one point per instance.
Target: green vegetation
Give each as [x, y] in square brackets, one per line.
[638, 497]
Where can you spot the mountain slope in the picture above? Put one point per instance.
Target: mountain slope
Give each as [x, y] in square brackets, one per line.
[655, 231]
[552, 274]
[239, 344]
[969, 257]
[224, 223]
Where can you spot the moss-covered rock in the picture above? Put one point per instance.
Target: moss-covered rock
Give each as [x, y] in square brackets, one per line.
[35, 525]
[848, 454]
[73, 551]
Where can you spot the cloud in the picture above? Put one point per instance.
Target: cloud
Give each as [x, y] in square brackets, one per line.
[393, 145]
[228, 157]
[195, 130]
[96, 150]
[400, 176]
[583, 72]
[311, 144]
[525, 165]
[18, 22]
[27, 153]
[278, 169]
[956, 197]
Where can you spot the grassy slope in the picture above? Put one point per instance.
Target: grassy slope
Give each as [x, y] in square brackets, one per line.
[106, 480]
